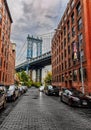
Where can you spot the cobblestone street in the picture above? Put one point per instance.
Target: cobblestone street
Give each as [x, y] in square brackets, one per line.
[36, 111]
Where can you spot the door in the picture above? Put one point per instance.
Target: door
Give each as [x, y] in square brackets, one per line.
[70, 83]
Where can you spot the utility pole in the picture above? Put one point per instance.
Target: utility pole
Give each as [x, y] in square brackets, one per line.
[81, 60]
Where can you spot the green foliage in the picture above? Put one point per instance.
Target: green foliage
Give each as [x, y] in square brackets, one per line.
[48, 79]
[36, 84]
[24, 76]
[24, 79]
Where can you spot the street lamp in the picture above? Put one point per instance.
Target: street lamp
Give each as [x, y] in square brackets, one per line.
[81, 60]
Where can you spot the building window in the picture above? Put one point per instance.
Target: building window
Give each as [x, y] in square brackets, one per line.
[3, 38]
[59, 67]
[62, 46]
[72, 4]
[62, 56]
[0, 5]
[3, 77]
[68, 11]
[78, 8]
[65, 53]
[72, 18]
[62, 66]
[68, 37]
[69, 62]
[65, 42]
[0, 75]
[74, 51]
[68, 49]
[82, 54]
[61, 35]
[0, 61]
[64, 31]
[80, 24]
[80, 38]
[65, 65]
[62, 78]
[75, 75]
[68, 25]
[0, 18]
[73, 31]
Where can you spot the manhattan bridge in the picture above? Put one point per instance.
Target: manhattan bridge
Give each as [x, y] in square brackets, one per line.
[35, 55]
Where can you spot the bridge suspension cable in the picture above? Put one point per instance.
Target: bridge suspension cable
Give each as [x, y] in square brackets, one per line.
[21, 53]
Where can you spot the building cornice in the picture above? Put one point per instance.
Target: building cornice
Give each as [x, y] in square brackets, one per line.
[6, 4]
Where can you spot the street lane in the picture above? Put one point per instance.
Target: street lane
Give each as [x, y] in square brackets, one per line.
[36, 111]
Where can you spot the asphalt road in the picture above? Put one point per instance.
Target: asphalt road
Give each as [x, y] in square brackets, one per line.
[36, 111]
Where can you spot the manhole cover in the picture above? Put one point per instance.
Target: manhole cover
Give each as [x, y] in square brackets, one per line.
[35, 98]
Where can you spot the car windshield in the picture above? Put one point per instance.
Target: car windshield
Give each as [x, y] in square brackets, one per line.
[78, 94]
[50, 87]
[11, 87]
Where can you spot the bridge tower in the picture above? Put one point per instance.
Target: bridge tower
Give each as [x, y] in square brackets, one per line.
[30, 44]
[30, 51]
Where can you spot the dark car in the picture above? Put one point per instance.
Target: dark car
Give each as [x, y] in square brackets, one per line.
[56, 90]
[51, 90]
[12, 93]
[2, 97]
[74, 97]
[61, 91]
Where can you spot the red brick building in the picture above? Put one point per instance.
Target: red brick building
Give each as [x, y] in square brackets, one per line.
[71, 47]
[7, 53]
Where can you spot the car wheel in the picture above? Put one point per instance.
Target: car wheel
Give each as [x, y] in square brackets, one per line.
[4, 104]
[61, 99]
[70, 102]
[48, 94]
[14, 98]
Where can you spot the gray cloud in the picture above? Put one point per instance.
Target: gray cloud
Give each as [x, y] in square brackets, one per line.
[34, 17]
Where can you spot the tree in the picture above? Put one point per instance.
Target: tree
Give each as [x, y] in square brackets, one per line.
[24, 79]
[48, 79]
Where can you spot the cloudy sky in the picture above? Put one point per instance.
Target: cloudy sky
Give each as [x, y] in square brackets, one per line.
[34, 17]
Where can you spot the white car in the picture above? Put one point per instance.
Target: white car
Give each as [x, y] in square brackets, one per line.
[41, 88]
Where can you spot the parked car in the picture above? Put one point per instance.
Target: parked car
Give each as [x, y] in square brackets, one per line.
[51, 90]
[21, 91]
[74, 97]
[12, 93]
[56, 90]
[2, 97]
[24, 88]
[61, 91]
[41, 88]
